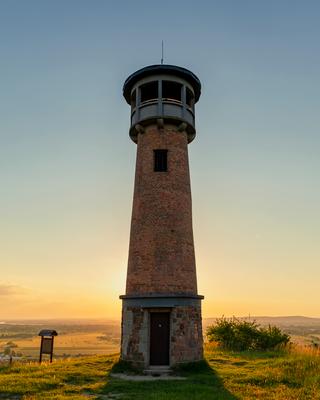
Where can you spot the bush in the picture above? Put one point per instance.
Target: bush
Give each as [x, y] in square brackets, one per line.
[235, 334]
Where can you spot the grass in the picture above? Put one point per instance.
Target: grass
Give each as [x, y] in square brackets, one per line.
[285, 375]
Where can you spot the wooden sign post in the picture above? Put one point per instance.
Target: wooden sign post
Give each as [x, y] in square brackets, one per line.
[46, 347]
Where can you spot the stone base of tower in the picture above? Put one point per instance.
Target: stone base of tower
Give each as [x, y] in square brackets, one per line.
[161, 330]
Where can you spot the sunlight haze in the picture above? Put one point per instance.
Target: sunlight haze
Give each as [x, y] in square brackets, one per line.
[67, 162]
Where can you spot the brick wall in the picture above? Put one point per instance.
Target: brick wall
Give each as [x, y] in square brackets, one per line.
[161, 251]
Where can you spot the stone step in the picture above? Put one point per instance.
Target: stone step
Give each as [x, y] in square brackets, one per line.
[158, 370]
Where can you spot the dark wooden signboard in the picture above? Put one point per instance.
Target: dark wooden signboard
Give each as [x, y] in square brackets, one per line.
[46, 347]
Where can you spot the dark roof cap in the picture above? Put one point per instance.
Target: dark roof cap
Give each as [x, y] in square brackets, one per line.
[48, 332]
[184, 73]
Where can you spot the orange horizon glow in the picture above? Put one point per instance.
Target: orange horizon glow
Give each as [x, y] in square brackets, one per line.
[67, 163]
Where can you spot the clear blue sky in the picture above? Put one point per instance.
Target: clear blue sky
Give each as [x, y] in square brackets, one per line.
[67, 163]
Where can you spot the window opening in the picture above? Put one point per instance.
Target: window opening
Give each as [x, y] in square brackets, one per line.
[160, 160]
[149, 91]
[189, 97]
[171, 90]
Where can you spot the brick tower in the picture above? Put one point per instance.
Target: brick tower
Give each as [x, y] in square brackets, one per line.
[161, 310]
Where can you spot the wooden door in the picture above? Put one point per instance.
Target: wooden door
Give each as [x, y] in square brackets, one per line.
[159, 338]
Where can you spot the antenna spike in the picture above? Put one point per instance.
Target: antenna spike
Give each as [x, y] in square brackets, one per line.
[162, 52]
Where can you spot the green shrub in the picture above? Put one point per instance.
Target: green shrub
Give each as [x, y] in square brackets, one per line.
[239, 335]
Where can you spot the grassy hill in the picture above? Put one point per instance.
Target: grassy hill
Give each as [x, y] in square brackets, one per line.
[226, 376]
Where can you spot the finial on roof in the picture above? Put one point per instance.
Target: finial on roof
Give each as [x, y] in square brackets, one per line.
[162, 52]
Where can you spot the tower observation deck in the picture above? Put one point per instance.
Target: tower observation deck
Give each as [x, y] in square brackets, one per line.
[163, 92]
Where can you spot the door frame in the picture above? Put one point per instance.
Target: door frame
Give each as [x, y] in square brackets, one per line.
[159, 310]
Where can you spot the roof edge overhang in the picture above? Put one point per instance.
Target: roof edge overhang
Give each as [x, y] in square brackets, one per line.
[156, 69]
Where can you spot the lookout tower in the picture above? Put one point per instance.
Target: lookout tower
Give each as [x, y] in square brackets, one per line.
[161, 310]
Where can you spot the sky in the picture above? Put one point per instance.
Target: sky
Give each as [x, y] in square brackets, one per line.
[67, 163]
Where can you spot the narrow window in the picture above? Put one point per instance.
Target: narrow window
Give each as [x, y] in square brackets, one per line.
[171, 90]
[149, 91]
[190, 98]
[160, 160]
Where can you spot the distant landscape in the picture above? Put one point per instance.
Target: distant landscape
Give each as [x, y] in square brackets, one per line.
[101, 336]
[75, 337]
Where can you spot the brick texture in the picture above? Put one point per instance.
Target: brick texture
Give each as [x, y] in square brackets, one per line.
[161, 251]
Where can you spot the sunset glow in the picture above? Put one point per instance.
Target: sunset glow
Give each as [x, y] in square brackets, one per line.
[67, 162]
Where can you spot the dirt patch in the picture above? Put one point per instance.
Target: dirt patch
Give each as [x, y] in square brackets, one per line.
[220, 360]
[240, 363]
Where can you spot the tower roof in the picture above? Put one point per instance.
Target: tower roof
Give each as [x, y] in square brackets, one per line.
[150, 70]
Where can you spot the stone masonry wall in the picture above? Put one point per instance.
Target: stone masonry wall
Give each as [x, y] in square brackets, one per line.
[186, 343]
[134, 335]
[186, 335]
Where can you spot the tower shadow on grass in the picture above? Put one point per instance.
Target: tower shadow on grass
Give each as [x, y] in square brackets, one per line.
[201, 383]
